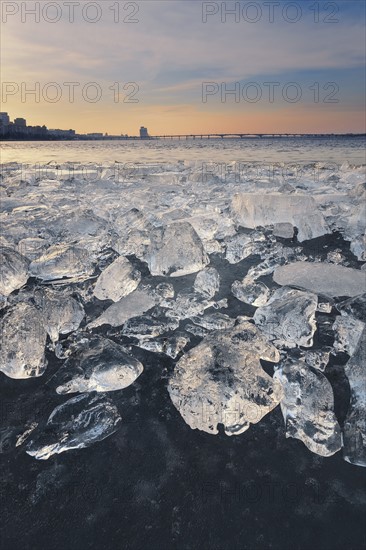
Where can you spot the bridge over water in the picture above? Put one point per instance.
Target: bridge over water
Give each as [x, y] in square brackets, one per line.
[244, 136]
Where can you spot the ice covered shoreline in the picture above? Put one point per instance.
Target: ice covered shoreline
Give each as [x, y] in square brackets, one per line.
[149, 252]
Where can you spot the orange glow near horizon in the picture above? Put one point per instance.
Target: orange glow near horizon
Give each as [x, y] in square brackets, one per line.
[169, 64]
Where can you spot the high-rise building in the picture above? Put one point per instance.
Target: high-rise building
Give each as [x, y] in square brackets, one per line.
[20, 122]
[4, 119]
[143, 132]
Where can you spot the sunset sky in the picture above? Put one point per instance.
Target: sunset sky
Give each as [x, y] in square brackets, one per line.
[169, 52]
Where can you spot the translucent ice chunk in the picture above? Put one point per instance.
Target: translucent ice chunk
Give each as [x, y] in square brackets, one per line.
[335, 257]
[358, 247]
[118, 280]
[308, 407]
[32, 247]
[137, 303]
[23, 341]
[128, 222]
[76, 424]
[196, 330]
[135, 243]
[221, 381]
[169, 345]
[13, 270]
[354, 430]
[207, 282]
[238, 248]
[288, 318]
[318, 359]
[214, 321]
[186, 305]
[283, 230]
[60, 314]
[175, 250]
[147, 326]
[99, 365]
[255, 294]
[355, 307]
[322, 278]
[348, 332]
[253, 209]
[62, 261]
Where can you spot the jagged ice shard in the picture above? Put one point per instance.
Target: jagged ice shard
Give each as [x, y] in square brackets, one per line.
[76, 424]
[117, 281]
[101, 365]
[175, 250]
[221, 381]
[137, 303]
[308, 407]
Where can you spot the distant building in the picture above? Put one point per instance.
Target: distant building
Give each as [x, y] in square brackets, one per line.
[4, 119]
[95, 135]
[20, 122]
[62, 133]
[143, 132]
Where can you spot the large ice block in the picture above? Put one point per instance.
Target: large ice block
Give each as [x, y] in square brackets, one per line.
[308, 407]
[326, 279]
[221, 381]
[256, 209]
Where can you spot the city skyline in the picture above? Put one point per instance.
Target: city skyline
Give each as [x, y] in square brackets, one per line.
[218, 77]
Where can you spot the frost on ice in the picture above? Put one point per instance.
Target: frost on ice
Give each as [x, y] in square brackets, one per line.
[308, 407]
[13, 270]
[175, 250]
[101, 365]
[326, 279]
[23, 341]
[288, 318]
[61, 313]
[118, 280]
[61, 261]
[76, 424]
[221, 381]
[253, 210]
